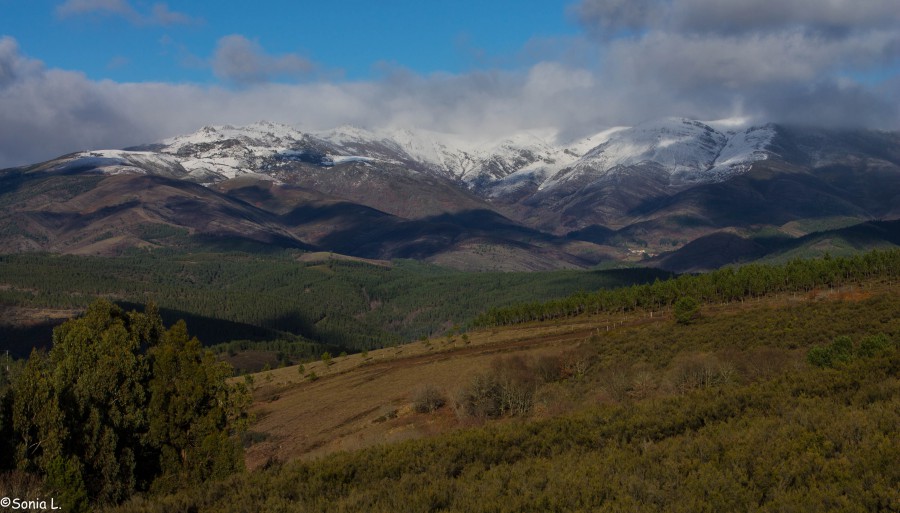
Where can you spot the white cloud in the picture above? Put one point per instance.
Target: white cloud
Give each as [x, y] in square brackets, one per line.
[77, 7]
[702, 56]
[835, 65]
[832, 17]
[46, 112]
[159, 13]
[240, 60]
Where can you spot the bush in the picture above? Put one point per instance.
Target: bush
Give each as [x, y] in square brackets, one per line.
[819, 356]
[428, 399]
[874, 345]
[549, 368]
[687, 309]
[121, 404]
[507, 389]
[841, 350]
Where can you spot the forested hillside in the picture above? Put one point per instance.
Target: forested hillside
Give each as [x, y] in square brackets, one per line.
[340, 304]
[728, 284]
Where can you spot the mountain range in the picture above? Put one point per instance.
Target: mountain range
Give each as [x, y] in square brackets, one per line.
[681, 194]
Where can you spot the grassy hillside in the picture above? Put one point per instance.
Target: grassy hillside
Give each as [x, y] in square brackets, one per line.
[625, 412]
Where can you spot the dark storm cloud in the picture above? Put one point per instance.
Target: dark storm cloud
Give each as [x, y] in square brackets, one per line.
[827, 104]
[834, 17]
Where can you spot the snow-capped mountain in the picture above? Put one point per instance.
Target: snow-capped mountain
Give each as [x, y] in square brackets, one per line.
[690, 151]
[620, 192]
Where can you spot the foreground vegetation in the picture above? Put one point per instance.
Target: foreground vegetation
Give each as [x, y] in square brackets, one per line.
[119, 405]
[787, 403]
[810, 439]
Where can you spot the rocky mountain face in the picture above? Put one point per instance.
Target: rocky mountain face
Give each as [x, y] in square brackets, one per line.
[527, 201]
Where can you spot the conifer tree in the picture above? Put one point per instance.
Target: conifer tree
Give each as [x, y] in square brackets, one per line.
[120, 405]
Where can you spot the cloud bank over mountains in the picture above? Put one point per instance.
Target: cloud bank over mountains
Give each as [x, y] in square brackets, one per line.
[798, 61]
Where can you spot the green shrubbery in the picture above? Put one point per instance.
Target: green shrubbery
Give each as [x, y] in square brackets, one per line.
[805, 441]
[687, 309]
[121, 405]
[842, 350]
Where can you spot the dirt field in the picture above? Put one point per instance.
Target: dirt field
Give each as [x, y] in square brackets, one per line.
[359, 401]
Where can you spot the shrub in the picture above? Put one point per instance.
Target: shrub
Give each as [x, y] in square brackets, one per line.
[507, 389]
[549, 368]
[687, 309]
[874, 345]
[699, 371]
[428, 399]
[841, 350]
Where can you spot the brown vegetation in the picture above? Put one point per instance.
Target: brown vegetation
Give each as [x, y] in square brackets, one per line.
[570, 363]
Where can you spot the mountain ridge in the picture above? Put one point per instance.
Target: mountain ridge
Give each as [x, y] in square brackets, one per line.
[651, 189]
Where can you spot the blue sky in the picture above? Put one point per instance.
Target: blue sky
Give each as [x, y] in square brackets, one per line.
[86, 74]
[345, 40]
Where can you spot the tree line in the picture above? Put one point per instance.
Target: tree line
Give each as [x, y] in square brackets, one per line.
[724, 285]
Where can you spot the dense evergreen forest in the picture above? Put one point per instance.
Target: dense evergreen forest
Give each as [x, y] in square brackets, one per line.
[338, 304]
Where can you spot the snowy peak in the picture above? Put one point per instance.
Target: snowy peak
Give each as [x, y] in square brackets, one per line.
[259, 134]
[445, 154]
[676, 144]
[689, 151]
[214, 153]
